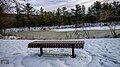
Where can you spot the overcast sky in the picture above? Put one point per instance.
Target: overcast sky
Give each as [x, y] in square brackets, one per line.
[50, 5]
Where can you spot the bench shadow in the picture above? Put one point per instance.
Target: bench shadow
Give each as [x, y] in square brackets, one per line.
[53, 55]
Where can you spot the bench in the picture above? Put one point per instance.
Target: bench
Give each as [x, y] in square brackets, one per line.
[56, 44]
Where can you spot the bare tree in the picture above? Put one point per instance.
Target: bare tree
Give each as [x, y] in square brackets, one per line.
[6, 6]
[85, 31]
[112, 23]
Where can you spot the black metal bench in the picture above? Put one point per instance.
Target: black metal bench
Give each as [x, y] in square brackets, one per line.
[57, 44]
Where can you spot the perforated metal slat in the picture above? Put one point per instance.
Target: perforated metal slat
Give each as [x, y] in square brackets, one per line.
[56, 44]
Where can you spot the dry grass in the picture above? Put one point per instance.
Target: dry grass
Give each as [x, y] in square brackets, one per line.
[46, 34]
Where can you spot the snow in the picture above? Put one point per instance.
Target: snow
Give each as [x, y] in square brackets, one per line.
[97, 53]
[86, 28]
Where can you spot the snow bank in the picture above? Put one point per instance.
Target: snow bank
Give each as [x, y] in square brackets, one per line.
[97, 53]
[87, 28]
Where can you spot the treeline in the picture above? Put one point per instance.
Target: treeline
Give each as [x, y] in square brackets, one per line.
[27, 16]
[96, 12]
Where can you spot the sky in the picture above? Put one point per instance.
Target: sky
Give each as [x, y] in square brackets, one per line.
[51, 5]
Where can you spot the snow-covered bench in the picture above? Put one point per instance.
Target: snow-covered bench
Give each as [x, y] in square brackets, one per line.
[56, 44]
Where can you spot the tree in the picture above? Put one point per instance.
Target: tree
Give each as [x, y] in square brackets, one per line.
[112, 23]
[58, 16]
[41, 19]
[18, 16]
[96, 9]
[77, 14]
[110, 15]
[84, 20]
[68, 18]
[28, 9]
[5, 7]
[48, 18]
[106, 11]
[53, 19]
[64, 15]
[83, 9]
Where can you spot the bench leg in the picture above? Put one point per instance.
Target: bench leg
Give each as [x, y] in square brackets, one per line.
[73, 55]
[41, 52]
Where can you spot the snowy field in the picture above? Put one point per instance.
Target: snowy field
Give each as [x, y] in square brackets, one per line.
[97, 53]
[87, 28]
[53, 28]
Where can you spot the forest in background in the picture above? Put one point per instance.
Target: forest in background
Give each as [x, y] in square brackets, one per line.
[27, 16]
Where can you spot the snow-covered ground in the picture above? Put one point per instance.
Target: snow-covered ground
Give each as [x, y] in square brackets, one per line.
[97, 53]
[87, 28]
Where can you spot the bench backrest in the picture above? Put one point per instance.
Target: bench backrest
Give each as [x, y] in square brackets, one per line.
[56, 44]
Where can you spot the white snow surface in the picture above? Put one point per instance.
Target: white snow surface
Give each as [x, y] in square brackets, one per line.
[96, 53]
[85, 28]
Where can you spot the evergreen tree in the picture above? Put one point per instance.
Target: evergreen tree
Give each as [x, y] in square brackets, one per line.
[58, 16]
[77, 14]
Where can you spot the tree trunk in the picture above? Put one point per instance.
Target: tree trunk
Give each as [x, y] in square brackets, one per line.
[0, 31]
